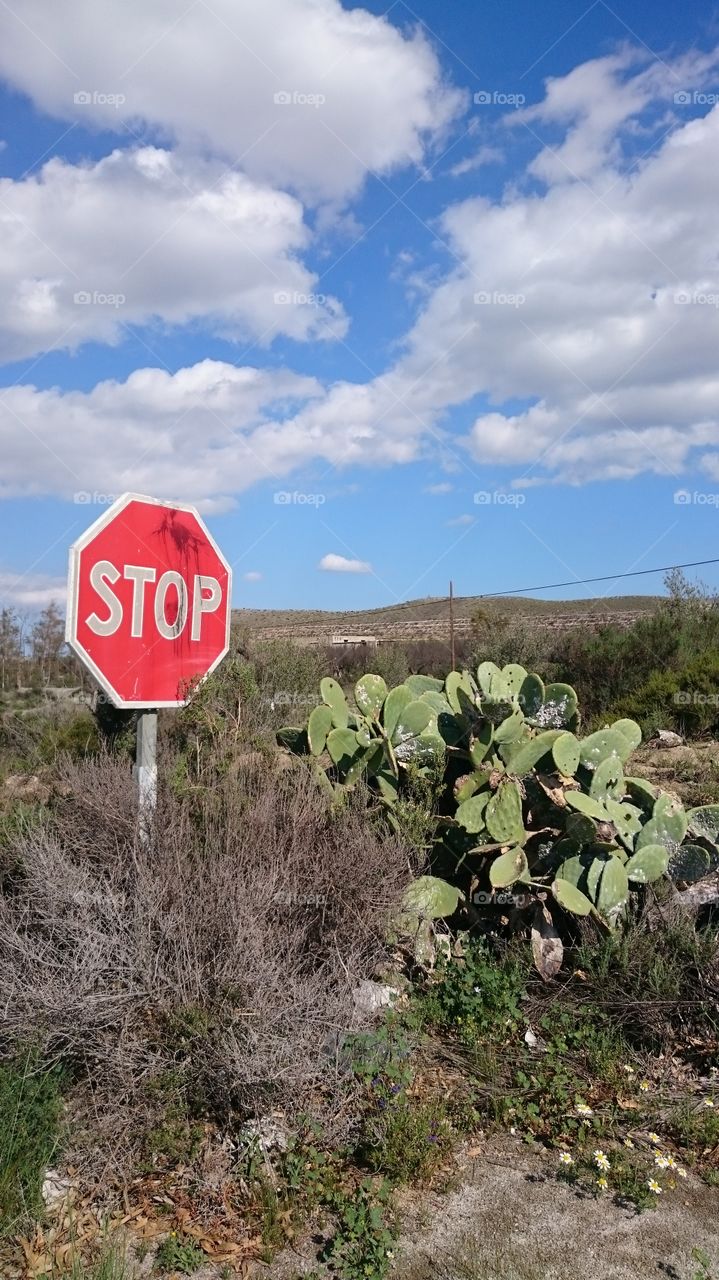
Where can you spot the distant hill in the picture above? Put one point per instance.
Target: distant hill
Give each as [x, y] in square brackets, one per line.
[418, 619]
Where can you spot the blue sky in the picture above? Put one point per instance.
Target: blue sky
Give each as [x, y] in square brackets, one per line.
[394, 294]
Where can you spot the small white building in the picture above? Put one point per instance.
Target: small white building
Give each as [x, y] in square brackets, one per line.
[369, 641]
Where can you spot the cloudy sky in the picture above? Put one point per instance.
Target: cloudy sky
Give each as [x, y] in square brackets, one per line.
[393, 294]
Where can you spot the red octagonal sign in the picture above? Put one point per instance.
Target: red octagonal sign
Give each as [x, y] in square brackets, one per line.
[149, 597]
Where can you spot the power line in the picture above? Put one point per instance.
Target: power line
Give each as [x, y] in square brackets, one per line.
[583, 582]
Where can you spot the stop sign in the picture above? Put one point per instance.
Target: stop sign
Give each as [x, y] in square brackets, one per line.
[148, 601]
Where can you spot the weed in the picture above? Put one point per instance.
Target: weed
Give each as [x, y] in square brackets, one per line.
[383, 1054]
[311, 1175]
[30, 1104]
[176, 1138]
[112, 1264]
[177, 1254]
[475, 995]
[704, 1268]
[694, 1127]
[362, 1243]
[650, 982]
[404, 1138]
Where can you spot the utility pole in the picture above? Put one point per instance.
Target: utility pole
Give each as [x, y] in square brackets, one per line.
[451, 622]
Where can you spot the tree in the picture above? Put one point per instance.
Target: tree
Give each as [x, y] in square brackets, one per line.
[47, 642]
[10, 646]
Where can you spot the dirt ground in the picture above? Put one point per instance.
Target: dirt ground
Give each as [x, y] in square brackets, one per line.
[509, 1218]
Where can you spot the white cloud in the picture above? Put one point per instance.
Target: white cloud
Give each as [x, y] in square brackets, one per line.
[144, 235]
[593, 344]
[31, 591]
[596, 100]
[340, 564]
[597, 305]
[460, 520]
[483, 156]
[207, 75]
[206, 432]
[437, 489]
[252, 576]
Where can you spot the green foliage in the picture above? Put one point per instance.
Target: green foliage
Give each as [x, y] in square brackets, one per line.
[76, 736]
[30, 1106]
[684, 700]
[403, 1137]
[179, 1254]
[362, 1244]
[704, 1268]
[694, 1126]
[651, 981]
[382, 1057]
[578, 1046]
[475, 995]
[501, 782]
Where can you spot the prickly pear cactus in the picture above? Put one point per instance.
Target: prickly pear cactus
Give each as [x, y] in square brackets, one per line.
[524, 798]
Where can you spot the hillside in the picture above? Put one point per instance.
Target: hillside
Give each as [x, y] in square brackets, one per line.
[430, 616]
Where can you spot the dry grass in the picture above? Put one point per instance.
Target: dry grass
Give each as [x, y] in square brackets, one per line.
[222, 955]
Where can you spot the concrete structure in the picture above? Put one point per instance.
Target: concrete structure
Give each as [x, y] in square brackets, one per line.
[370, 641]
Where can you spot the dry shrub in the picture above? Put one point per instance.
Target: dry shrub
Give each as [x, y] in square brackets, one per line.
[225, 950]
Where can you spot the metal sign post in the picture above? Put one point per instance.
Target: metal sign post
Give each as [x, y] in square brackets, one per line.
[148, 613]
[146, 771]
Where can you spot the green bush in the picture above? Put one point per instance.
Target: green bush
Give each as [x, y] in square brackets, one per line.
[76, 736]
[30, 1106]
[686, 701]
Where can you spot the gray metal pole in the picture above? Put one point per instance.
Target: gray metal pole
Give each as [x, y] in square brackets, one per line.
[146, 770]
[451, 623]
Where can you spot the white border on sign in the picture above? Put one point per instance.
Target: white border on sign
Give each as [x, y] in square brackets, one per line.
[73, 577]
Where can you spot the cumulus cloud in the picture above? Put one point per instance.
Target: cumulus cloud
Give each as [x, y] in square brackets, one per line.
[31, 591]
[301, 93]
[582, 318]
[594, 304]
[207, 431]
[142, 236]
[340, 564]
[598, 100]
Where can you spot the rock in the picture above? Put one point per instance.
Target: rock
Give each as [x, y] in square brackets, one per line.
[27, 786]
[665, 738]
[268, 1133]
[369, 997]
[55, 1189]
